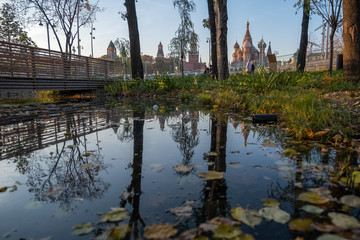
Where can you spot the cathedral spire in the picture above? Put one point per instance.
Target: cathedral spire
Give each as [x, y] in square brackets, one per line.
[269, 52]
[160, 52]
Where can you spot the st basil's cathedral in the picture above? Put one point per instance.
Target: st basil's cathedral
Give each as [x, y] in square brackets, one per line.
[249, 51]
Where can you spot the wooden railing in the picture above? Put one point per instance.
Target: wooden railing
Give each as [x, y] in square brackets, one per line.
[29, 68]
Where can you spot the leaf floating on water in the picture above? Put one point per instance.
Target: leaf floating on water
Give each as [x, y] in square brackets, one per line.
[290, 152]
[211, 225]
[344, 221]
[312, 209]
[87, 154]
[226, 232]
[183, 168]
[322, 191]
[212, 154]
[274, 213]
[270, 203]
[13, 188]
[351, 200]
[330, 237]
[118, 232]
[72, 146]
[303, 225]
[211, 175]
[3, 189]
[46, 238]
[326, 227]
[282, 168]
[191, 234]
[249, 217]
[313, 197]
[158, 231]
[83, 229]
[182, 211]
[86, 166]
[115, 215]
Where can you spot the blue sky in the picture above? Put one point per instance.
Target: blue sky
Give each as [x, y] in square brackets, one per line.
[275, 21]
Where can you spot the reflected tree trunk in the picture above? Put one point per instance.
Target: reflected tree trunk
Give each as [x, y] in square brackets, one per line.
[215, 191]
[135, 185]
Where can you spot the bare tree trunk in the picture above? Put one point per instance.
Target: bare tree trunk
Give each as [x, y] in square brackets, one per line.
[221, 38]
[213, 37]
[332, 34]
[301, 61]
[136, 64]
[351, 12]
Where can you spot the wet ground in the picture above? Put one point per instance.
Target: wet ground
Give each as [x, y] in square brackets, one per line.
[123, 169]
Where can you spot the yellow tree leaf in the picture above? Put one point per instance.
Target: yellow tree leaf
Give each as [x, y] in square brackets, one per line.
[302, 225]
[211, 175]
[313, 197]
[159, 231]
[249, 217]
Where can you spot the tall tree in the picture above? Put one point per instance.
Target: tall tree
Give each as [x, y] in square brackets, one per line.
[351, 11]
[11, 29]
[212, 27]
[135, 54]
[62, 16]
[331, 12]
[180, 44]
[221, 18]
[301, 61]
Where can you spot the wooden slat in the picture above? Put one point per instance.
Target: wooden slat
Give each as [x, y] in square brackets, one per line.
[23, 68]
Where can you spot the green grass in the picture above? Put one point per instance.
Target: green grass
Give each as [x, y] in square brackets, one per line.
[297, 97]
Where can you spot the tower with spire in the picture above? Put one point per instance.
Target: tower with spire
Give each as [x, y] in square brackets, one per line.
[160, 52]
[194, 53]
[262, 57]
[111, 51]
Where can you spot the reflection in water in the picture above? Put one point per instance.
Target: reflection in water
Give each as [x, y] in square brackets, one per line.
[71, 171]
[134, 189]
[214, 192]
[186, 136]
[71, 167]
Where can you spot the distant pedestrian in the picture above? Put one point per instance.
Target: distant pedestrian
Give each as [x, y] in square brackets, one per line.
[248, 66]
[252, 67]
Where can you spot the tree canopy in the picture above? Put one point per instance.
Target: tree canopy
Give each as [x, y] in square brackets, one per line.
[64, 17]
[11, 30]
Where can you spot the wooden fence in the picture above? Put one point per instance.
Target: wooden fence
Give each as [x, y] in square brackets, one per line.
[29, 68]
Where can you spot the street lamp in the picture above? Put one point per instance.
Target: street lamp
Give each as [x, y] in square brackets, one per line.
[92, 37]
[208, 40]
[47, 31]
[78, 27]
